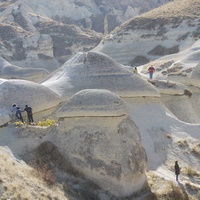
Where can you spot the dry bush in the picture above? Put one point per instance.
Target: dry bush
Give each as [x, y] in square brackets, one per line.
[196, 150]
[182, 143]
[17, 181]
[193, 190]
[44, 172]
[47, 122]
[175, 192]
[169, 136]
[187, 92]
[192, 187]
[165, 190]
[190, 172]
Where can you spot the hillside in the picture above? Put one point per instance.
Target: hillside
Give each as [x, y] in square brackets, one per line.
[45, 34]
[166, 30]
[100, 131]
[99, 137]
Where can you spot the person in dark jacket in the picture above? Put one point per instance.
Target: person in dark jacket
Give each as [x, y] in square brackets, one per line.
[28, 109]
[177, 169]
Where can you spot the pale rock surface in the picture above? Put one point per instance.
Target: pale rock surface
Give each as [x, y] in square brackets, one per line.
[183, 107]
[170, 87]
[91, 102]
[120, 10]
[32, 40]
[195, 75]
[156, 122]
[8, 70]
[24, 92]
[131, 12]
[154, 34]
[94, 70]
[107, 150]
[181, 67]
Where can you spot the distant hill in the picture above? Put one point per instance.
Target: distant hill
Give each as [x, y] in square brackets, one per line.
[93, 14]
[45, 34]
[166, 30]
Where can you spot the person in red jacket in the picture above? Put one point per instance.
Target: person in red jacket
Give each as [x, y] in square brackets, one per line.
[151, 71]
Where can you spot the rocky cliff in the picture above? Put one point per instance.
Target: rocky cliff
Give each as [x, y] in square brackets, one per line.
[166, 30]
[44, 34]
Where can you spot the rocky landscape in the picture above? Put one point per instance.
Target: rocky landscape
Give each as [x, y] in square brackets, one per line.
[45, 33]
[100, 131]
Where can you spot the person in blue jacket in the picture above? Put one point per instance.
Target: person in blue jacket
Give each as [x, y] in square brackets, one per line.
[19, 114]
[17, 111]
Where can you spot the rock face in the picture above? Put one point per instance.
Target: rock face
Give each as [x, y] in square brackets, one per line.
[157, 33]
[45, 33]
[85, 102]
[195, 76]
[10, 71]
[107, 150]
[181, 67]
[24, 92]
[31, 40]
[94, 70]
[95, 11]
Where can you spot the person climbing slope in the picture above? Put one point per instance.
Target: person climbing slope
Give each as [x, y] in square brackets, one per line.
[17, 111]
[19, 114]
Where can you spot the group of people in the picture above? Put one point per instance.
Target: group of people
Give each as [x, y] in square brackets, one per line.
[151, 70]
[18, 112]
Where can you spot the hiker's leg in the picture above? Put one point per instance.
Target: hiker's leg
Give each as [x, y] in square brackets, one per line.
[17, 115]
[31, 116]
[29, 119]
[150, 75]
[20, 117]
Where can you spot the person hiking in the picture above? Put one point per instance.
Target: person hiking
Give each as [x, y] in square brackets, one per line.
[14, 108]
[151, 71]
[177, 170]
[135, 70]
[19, 114]
[28, 109]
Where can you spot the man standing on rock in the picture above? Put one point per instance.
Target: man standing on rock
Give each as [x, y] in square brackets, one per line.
[28, 109]
[177, 170]
[151, 71]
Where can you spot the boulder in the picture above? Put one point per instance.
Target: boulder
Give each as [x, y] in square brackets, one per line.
[23, 92]
[94, 70]
[102, 142]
